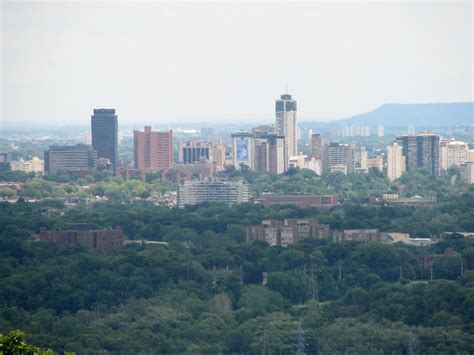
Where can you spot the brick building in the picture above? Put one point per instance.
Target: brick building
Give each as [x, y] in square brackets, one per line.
[288, 231]
[106, 240]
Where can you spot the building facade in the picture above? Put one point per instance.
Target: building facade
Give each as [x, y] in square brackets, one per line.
[467, 172]
[336, 154]
[302, 201]
[104, 127]
[228, 192]
[421, 151]
[286, 123]
[192, 151]
[317, 146]
[35, 165]
[451, 153]
[80, 157]
[395, 162]
[153, 151]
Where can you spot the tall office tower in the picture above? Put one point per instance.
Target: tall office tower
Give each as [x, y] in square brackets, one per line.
[317, 146]
[380, 130]
[243, 149]
[79, 157]
[421, 151]
[395, 162]
[411, 129]
[269, 153]
[104, 125]
[228, 192]
[336, 154]
[192, 151]
[286, 123]
[153, 151]
[218, 154]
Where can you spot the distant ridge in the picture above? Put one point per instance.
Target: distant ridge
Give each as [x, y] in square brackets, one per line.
[434, 114]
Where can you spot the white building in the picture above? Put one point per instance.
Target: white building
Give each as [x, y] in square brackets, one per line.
[396, 163]
[380, 130]
[452, 152]
[467, 172]
[35, 165]
[228, 192]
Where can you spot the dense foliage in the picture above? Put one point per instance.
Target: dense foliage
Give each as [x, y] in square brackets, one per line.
[204, 292]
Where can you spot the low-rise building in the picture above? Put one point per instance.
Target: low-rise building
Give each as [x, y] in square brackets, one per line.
[361, 235]
[303, 201]
[228, 192]
[106, 240]
[288, 231]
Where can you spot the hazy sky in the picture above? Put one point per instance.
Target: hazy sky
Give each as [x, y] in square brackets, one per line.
[185, 62]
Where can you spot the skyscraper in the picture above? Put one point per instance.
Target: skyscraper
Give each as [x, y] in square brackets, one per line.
[395, 162]
[421, 151]
[286, 123]
[104, 125]
[153, 151]
[317, 146]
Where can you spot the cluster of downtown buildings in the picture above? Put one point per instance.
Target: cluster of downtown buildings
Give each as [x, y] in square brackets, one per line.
[269, 148]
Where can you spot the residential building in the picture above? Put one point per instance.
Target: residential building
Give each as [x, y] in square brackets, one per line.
[35, 165]
[451, 153]
[396, 163]
[218, 154]
[286, 123]
[317, 146]
[228, 192]
[360, 159]
[192, 151]
[467, 172]
[421, 151]
[153, 151]
[304, 162]
[106, 240]
[79, 157]
[288, 231]
[336, 154]
[380, 130]
[104, 126]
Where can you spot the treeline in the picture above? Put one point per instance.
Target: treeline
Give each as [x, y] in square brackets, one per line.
[204, 292]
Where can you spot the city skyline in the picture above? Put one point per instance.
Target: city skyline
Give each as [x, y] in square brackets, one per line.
[339, 59]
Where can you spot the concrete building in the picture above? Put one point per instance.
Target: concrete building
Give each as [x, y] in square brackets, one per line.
[302, 201]
[153, 151]
[380, 130]
[286, 123]
[317, 146]
[451, 153]
[35, 165]
[228, 192]
[363, 235]
[467, 172]
[192, 151]
[336, 154]
[104, 127]
[288, 231]
[360, 159]
[304, 162]
[79, 157]
[218, 154]
[376, 162]
[396, 163]
[338, 168]
[106, 240]
[243, 149]
[203, 169]
[411, 130]
[421, 151]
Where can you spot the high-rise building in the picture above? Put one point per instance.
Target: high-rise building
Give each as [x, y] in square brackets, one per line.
[421, 151]
[361, 159]
[286, 123]
[317, 146]
[153, 151]
[467, 172]
[79, 157]
[411, 130]
[228, 192]
[192, 151]
[452, 152]
[243, 149]
[396, 163]
[336, 154]
[218, 154]
[270, 154]
[104, 125]
[375, 162]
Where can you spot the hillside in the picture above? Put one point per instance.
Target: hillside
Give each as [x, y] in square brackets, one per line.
[433, 114]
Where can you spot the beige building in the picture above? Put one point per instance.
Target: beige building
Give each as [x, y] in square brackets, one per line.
[395, 162]
[35, 165]
[376, 162]
[452, 152]
[467, 172]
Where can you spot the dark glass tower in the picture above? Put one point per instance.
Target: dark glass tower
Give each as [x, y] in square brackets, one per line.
[104, 127]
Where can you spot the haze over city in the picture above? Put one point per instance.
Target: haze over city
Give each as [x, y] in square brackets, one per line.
[192, 62]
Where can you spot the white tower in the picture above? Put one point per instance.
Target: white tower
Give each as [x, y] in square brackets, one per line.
[286, 123]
